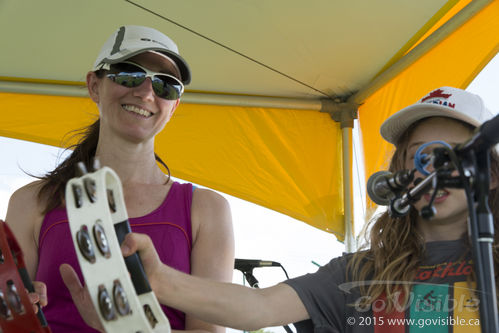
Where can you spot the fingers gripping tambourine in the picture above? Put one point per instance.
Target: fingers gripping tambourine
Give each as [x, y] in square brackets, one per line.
[16, 310]
[99, 222]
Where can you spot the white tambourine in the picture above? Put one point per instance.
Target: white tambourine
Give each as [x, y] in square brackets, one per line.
[118, 286]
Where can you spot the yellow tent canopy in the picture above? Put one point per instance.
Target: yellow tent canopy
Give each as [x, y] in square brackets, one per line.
[250, 123]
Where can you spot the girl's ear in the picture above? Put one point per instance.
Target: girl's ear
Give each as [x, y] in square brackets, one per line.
[93, 86]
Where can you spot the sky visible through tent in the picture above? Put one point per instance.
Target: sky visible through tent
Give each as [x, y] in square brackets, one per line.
[259, 232]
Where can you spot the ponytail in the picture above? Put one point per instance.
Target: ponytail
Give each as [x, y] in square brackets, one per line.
[55, 181]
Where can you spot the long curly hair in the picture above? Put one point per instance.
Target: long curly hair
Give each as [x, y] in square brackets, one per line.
[394, 248]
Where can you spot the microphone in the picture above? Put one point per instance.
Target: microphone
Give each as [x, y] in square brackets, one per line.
[245, 265]
[400, 206]
[383, 186]
[484, 137]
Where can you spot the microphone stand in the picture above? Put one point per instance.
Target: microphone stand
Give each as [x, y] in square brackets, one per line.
[481, 228]
[253, 282]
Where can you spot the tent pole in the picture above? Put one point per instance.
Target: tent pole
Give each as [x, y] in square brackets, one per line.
[79, 90]
[346, 133]
[344, 113]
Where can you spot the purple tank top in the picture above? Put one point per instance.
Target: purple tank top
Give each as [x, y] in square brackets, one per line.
[169, 227]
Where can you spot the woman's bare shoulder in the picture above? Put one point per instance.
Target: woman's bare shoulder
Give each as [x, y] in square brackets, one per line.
[26, 198]
[29, 190]
[207, 199]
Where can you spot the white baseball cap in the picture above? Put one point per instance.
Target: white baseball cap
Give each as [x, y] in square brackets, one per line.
[442, 102]
[130, 40]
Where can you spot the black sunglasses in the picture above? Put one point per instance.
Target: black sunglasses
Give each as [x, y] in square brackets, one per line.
[130, 75]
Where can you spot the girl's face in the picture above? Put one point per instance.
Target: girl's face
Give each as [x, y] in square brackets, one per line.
[450, 204]
[136, 114]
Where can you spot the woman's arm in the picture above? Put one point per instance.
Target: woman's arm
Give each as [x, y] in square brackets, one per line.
[222, 303]
[212, 253]
[24, 217]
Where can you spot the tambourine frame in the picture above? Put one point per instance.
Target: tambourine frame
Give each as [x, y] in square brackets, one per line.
[16, 310]
[118, 287]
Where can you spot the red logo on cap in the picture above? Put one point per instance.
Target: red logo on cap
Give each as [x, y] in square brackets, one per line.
[435, 94]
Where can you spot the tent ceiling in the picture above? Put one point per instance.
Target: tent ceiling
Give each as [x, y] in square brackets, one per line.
[227, 134]
[335, 47]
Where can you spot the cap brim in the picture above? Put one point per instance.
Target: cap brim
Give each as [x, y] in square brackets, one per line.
[398, 123]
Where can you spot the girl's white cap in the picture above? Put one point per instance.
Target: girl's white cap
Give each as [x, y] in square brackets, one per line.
[443, 102]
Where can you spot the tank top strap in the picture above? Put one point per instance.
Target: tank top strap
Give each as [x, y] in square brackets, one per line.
[174, 211]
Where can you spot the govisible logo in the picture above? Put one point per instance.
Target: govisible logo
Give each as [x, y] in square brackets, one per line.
[437, 96]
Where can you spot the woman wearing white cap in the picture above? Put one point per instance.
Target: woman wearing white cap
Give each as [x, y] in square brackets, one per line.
[136, 82]
[414, 275]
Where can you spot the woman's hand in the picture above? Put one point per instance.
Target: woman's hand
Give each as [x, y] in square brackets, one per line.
[39, 297]
[80, 294]
[81, 297]
[143, 245]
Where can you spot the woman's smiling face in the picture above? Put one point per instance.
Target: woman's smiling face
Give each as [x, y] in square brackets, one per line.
[136, 113]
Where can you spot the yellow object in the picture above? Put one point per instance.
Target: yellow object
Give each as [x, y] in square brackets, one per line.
[454, 62]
